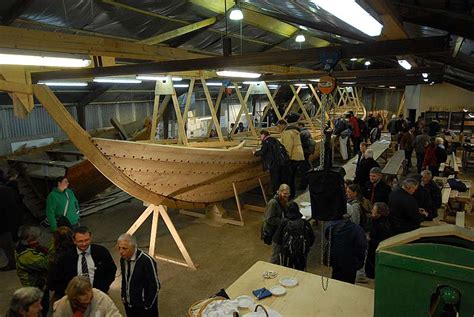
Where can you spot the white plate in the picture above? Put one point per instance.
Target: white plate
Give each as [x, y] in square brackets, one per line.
[305, 204]
[288, 281]
[277, 290]
[245, 301]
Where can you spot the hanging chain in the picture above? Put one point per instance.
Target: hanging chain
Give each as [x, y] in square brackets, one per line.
[325, 284]
[322, 152]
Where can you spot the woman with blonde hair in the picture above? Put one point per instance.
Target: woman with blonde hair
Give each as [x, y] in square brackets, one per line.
[81, 300]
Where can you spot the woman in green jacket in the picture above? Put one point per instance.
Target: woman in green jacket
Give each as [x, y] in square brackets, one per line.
[62, 206]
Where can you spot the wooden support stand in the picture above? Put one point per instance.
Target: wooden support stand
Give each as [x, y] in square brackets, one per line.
[248, 206]
[214, 213]
[157, 211]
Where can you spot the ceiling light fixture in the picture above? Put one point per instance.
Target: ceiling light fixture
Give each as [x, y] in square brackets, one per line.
[213, 84]
[367, 63]
[181, 86]
[315, 80]
[349, 83]
[233, 87]
[392, 87]
[37, 60]
[251, 82]
[151, 77]
[203, 118]
[432, 83]
[236, 14]
[300, 38]
[352, 13]
[425, 75]
[117, 80]
[303, 27]
[273, 86]
[404, 63]
[381, 86]
[353, 59]
[425, 80]
[63, 83]
[236, 73]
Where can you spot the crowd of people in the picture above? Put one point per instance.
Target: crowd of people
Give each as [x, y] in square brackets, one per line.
[72, 276]
[378, 207]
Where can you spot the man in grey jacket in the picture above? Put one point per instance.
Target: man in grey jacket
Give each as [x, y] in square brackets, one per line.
[421, 142]
[275, 212]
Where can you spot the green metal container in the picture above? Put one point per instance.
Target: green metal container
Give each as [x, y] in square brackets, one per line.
[422, 274]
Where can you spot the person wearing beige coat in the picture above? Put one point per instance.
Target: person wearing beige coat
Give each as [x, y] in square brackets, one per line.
[83, 300]
[291, 140]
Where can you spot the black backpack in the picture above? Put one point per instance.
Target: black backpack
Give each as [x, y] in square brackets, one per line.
[294, 242]
[280, 154]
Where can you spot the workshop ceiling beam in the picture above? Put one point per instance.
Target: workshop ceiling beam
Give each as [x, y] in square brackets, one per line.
[392, 26]
[455, 62]
[353, 74]
[384, 48]
[262, 21]
[178, 32]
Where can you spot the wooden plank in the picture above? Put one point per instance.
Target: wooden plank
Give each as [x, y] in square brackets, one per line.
[188, 100]
[217, 105]
[154, 231]
[140, 220]
[243, 104]
[237, 119]
[271, 99]
[181, 131]
[213, 110]
[237, 200]
[303, 109]
[273, 95]
[12, 87]
[178, 32]
[394, 163]
[154, 120]
[177, 239]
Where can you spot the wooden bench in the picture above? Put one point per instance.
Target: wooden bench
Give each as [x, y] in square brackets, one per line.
[452, 161]
[394, 163]
[380, 148]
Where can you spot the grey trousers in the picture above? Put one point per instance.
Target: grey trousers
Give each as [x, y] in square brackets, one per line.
[276, 249]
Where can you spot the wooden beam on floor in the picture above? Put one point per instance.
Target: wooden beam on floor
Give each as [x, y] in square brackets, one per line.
[383, 48]
[178, 32]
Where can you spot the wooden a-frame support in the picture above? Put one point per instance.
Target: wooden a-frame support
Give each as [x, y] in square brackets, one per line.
[157, 211]
[213, 110]
[254, 88]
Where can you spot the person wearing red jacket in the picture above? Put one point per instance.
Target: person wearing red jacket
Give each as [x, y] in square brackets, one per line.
[430, 161]
[355, 131]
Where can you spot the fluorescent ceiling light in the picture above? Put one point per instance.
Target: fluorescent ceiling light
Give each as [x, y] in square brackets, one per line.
[236, 73]
[213, 84]
[204, 118]
[392, 87]
[233, 87]
[348, 82]
[353, 59]
[404, 63]
[425, 79]
[303, 27]
[181, 86]
[236, 14]
[471, 115]
[36, 60]
[117, 80]
[63, 83]
[273, 86]
[425, 75]
[300, 85]
[315, 80]
[381, 86]
[252, 82]
[151, 77]
[352, 13]
[300, 38]
[464, 109]
[367, 63]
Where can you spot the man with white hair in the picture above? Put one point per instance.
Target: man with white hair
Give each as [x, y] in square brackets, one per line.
[404, 212]
[26, 302]
[435, 193]
[140, 283]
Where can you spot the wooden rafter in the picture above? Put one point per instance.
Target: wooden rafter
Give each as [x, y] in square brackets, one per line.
[178, 32]
[189, 96]
[262, 21]
[245, 109]
[213, 110]
[392, 47]
[392, 26]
